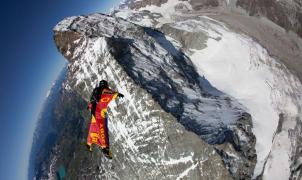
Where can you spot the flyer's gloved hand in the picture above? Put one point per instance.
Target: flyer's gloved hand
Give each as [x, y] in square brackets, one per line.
[89, 107]
[120, 95]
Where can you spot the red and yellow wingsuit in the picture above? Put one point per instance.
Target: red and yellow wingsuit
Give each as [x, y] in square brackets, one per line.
[98, 130]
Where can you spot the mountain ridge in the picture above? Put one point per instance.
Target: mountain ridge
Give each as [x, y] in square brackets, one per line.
[178, 70]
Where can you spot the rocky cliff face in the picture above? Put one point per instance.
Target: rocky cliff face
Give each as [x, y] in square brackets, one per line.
[194, 105]
[287, 14]
[147, 142]
[146, 57]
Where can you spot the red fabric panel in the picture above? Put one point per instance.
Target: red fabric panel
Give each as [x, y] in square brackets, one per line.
[98, 130]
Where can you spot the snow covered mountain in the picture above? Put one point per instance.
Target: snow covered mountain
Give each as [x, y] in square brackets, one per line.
[146, 137]
[203, 99]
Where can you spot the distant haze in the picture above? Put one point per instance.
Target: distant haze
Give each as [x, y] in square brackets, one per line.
[29, 64]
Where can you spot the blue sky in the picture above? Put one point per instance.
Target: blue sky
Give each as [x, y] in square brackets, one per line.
[29, 63]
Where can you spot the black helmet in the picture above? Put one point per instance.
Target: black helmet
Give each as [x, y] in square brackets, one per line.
[103, 83]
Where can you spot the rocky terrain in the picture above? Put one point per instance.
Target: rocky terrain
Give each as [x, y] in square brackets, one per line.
[212, 90]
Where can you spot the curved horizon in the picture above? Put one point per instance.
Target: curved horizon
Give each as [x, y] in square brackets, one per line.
[32, 62]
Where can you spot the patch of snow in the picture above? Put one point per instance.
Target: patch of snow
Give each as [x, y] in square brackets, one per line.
[52, 171]
[123, 13]
[167, 10]
[277, 165]
[67, 87]
[193, 25]
[185, 159]
[185, 173]
[63, 25]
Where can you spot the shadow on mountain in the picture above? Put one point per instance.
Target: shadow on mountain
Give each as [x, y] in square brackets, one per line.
[164, 89]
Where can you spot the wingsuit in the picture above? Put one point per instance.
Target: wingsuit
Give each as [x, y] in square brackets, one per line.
[98, 129]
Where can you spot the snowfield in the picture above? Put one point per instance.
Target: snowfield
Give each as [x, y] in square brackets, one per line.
[240, 67]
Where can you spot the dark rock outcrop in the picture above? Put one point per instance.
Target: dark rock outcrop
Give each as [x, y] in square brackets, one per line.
[287, 14]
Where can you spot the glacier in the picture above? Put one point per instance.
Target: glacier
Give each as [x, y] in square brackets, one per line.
[240, 67]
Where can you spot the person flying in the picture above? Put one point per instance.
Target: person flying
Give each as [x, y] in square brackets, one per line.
[98, 129]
